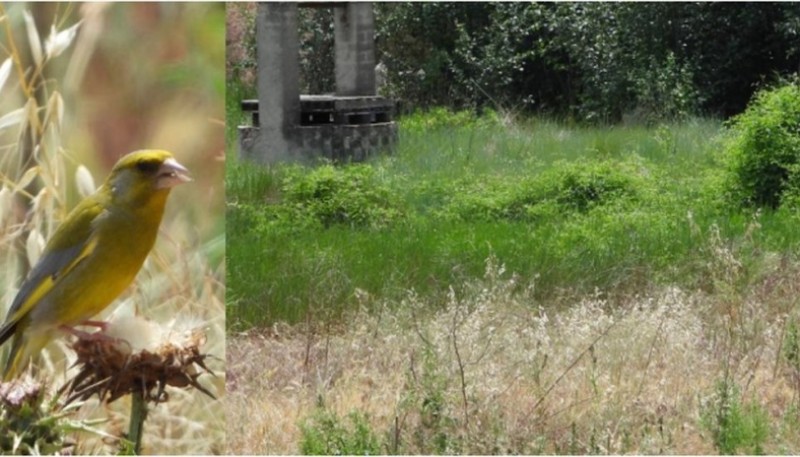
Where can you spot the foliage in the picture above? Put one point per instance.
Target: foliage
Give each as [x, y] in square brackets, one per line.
[580, 207]
[590, 61]
[582, 186]
[791, 346]
[327, 434]
[734, 426]
[317, 72]
[416, 42]
[352, 196]
[240, 52]
[664, 90]
[442, 118]
[427, 397]
[299, 197]
[764, 150]
[563, 189]
[595, 62]
[29, 426]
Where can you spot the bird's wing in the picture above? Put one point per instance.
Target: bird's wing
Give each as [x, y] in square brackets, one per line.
[72, 242]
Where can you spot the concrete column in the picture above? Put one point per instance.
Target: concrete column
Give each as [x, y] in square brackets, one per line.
[278, 75]
[354, 36]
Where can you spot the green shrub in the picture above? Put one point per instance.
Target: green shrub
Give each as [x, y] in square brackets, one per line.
[437, 431]
[326, 434]
[734, 426]
[351, 195]
[442, 118]
[581, 186]
[288, 198]
[791, 345]
[565, 188]
[764, 151]
[664, 90]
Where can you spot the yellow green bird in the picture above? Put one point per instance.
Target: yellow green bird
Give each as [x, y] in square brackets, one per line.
[93, 256]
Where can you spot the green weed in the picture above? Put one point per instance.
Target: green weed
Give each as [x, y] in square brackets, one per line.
[734, 425]
[352, 196]
[791, 345]
[563, 189]
[326, 434]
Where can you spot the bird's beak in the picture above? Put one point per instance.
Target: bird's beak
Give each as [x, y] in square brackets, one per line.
[171, 173]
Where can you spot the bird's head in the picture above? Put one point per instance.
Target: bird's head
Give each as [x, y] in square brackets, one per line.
[139, 176]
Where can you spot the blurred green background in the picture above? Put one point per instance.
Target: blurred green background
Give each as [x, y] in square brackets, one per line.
[136, 76]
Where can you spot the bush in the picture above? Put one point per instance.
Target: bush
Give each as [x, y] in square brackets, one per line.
[764, 151]
[791, 345]
[734, 426]
[593, 62]
[664, 91]
[327, 434]
[350, 195]
[584, 185]
[443, 118]
[566, 188]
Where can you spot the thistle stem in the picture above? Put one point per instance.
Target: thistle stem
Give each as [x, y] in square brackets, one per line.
[138, 416]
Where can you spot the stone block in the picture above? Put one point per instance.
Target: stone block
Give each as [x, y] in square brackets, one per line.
[288, 126]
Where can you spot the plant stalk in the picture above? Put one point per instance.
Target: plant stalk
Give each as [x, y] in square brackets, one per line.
[138, 416]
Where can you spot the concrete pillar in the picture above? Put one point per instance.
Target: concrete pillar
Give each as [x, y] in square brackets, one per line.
[278, 75]
[354, 36]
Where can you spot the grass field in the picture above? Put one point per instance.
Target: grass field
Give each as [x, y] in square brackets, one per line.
[618, 209]
[511, 286]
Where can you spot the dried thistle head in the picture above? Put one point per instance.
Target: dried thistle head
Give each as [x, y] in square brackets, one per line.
[136, 355]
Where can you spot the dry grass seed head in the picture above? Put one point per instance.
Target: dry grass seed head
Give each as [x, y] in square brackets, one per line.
[646, 374]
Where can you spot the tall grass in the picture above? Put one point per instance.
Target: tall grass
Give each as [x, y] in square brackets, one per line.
[494, 370]
[468, 188]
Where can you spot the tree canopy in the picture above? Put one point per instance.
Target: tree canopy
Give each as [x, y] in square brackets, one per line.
[589, 61]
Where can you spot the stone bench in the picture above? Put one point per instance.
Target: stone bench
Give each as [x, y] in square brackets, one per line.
[335, 110]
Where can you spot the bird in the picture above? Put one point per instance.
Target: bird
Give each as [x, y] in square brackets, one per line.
[93, 255]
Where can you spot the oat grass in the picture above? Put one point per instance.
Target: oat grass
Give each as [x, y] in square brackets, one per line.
[42, 177]
[496, 372]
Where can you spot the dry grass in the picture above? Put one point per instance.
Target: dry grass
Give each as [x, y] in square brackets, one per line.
[508, 375]
[67, 116]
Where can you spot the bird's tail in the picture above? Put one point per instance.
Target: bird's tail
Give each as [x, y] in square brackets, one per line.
[14, 360]
[5, 333]
[22, 348]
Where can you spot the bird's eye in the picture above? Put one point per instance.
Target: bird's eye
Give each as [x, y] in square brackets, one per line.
[147, 166]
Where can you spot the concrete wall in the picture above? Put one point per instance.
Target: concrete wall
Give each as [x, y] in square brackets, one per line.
[278, 74]
[354, 39]
[280, 136]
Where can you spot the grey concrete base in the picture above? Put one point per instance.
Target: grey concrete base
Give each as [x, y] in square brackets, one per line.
[340, 143]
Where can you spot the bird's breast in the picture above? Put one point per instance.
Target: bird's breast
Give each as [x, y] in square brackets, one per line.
[95, 282]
